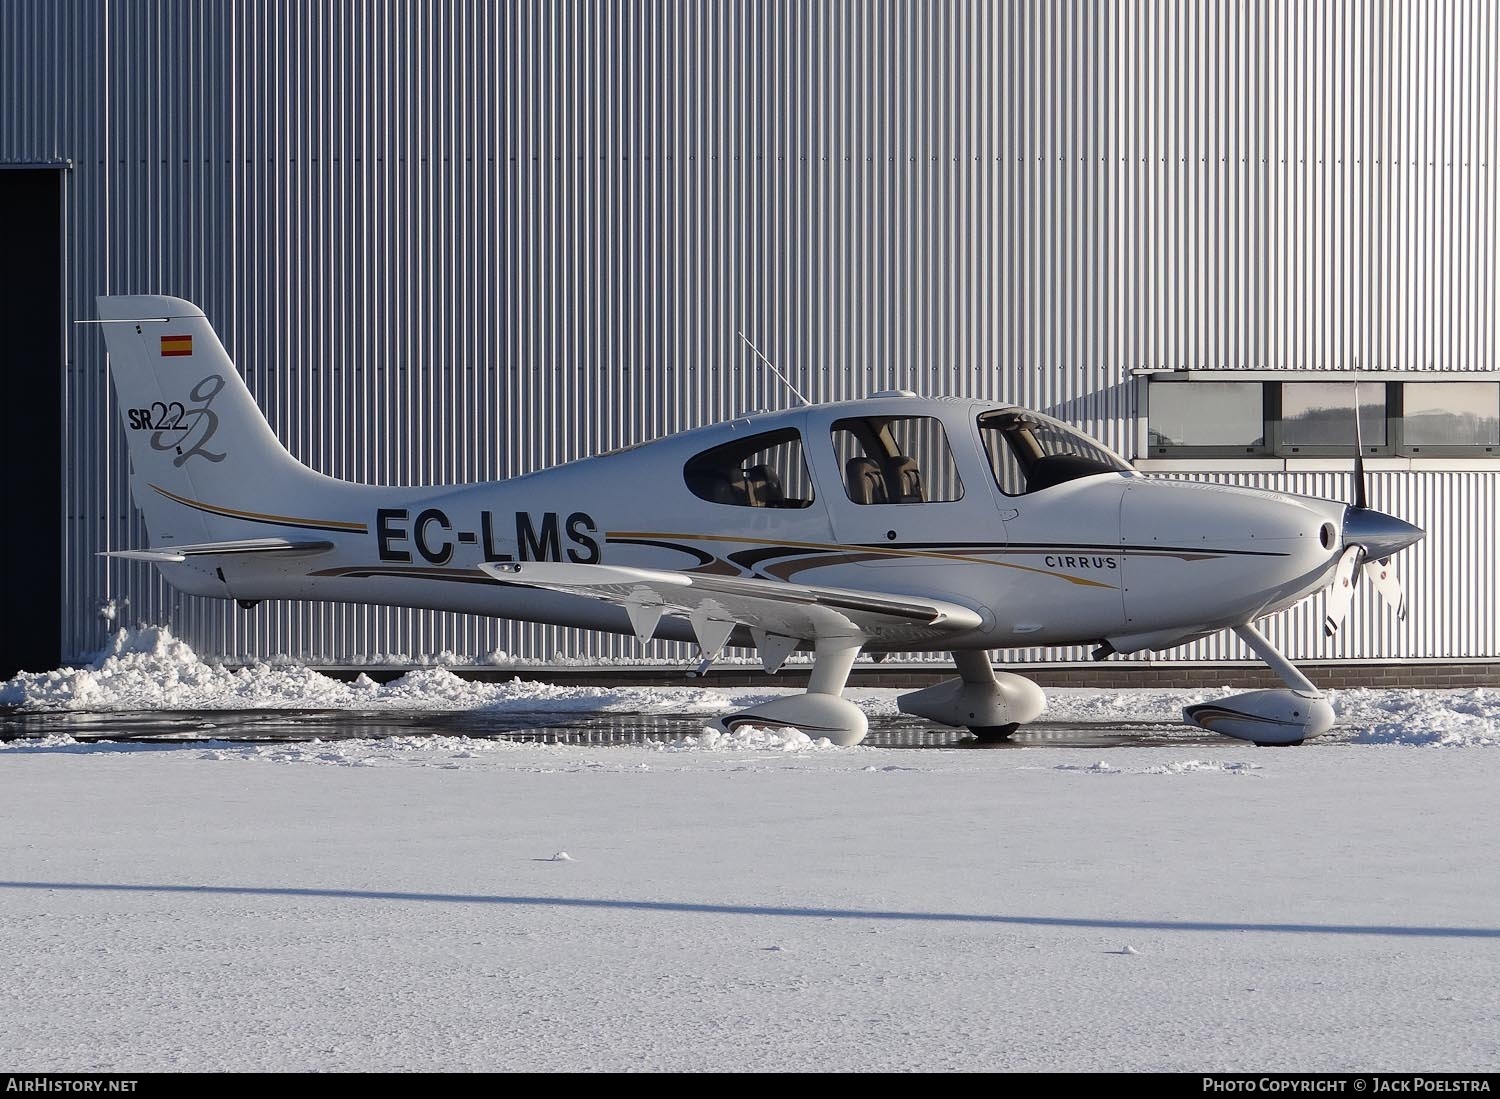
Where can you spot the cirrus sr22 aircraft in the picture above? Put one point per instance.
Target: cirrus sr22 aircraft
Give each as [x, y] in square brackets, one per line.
[887, 524]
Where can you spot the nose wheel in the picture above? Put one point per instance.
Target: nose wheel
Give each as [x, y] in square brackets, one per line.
[993, 734]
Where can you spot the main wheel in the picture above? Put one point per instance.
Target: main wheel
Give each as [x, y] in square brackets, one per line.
[991, 733]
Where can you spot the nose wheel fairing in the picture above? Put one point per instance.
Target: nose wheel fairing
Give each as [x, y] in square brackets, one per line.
[1264, 717]
[1267, 717]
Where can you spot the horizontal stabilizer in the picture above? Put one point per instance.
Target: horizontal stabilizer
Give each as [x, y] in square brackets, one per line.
[222, 549]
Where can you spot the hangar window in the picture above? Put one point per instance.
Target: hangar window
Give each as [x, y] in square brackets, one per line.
[762, 471]
[896, 460]
[1028, 452]
[1317, 416]
[1437, 416]
[1221, 415]
[1312, 418]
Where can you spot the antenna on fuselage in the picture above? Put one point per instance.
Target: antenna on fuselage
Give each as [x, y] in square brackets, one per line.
[784, 380]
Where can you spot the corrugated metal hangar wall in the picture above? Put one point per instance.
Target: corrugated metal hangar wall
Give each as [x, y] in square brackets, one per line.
[457, 241]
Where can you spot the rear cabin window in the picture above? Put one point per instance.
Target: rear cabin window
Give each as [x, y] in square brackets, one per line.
[896, 460]
[762, 471]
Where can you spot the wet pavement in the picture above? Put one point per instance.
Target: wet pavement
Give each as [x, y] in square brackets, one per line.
[592, 729]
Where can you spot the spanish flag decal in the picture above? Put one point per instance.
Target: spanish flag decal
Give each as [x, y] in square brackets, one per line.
[172, 346]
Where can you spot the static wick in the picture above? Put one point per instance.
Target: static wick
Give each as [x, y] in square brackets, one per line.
[784, 379]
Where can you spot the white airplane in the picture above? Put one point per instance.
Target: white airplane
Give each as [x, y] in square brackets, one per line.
[892, 523]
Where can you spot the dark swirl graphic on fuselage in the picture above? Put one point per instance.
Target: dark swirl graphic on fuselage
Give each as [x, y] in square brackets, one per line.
[188, 430]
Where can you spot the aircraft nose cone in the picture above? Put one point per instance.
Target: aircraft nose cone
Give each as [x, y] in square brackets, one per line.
[1380, 534]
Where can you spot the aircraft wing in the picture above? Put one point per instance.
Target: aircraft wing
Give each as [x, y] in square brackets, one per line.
[778, 614]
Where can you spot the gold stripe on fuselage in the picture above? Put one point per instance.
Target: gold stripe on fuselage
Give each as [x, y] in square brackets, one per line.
[876, 551]
[263, 517]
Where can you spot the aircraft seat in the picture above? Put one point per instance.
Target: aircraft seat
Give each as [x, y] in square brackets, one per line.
[863, 478]
[904, 480]
[719, 486]
[765, 487]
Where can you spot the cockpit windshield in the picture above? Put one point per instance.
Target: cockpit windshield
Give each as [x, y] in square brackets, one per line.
[1029, 452]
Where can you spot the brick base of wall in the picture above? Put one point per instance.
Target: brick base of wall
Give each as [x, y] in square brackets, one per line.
[1121, 675]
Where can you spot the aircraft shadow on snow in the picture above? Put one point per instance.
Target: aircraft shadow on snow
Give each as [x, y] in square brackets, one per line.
[793, 911]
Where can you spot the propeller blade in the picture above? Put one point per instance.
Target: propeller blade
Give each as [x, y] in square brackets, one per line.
[1383, 576]
[1341, 592]
[1361, 499]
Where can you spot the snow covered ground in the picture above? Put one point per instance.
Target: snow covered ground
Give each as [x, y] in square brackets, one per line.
[746, 902]
[148, 669]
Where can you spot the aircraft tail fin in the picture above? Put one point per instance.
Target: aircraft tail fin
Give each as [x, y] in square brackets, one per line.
[205, 465]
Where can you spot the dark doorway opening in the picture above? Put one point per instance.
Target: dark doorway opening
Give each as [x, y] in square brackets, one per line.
[32, 364]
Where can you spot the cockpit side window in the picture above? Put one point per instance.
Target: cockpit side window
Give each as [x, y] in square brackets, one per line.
[1029, 453]
[896, 460]
[762, 471]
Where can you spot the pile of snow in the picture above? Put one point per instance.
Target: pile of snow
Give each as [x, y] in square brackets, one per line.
[1176, 767]
[50, 740]
[1193, 766]
[1461, 718]
[149, 669]
[753, 738]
